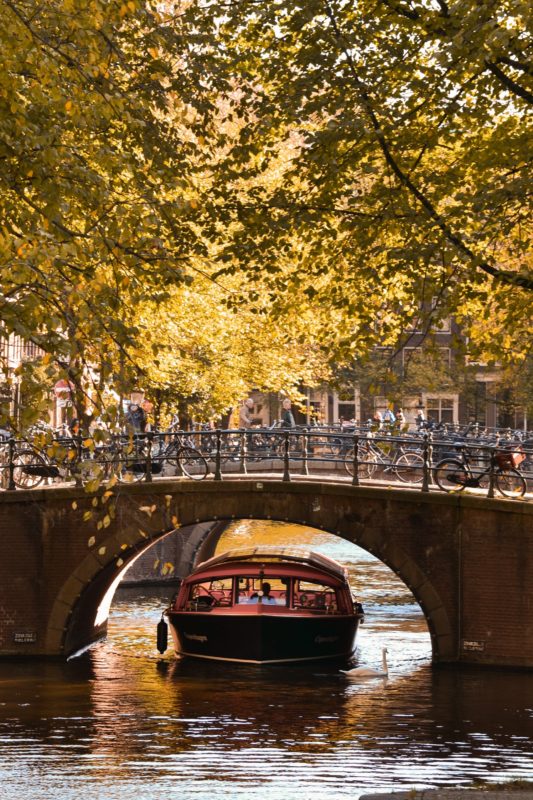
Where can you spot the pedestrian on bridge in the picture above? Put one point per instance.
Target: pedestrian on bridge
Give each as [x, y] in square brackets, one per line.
[287, 417]
[245, 414]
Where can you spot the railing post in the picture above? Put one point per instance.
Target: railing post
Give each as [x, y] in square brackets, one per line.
[178, 443]
[244, 453]
[355, 479]
[427, 462]
[76, 466]
[11, 480]
[286, 470]
[492, 466]
[305, 449]
[149, 441]
[218, 470]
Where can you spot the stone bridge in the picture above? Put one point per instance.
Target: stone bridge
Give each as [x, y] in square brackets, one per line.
[467, 560]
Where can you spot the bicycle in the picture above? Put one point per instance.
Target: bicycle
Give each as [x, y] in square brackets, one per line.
[403, 463]
[34, 463]
[457, 474]
[179, 453]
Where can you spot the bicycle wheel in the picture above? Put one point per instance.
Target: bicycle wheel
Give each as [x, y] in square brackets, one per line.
[29, 469]
[129, 464]
[367, 463]
[409, 467]
[192, 463]
[230, 449]
[4, 468]
[93, 472]
[450, 475]
[510, 483]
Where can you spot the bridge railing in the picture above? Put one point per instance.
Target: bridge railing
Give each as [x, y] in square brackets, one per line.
[359, 456]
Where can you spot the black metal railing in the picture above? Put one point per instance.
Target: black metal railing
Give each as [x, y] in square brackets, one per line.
[359, 456]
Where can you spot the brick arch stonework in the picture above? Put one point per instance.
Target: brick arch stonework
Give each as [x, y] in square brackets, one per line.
[455, 554]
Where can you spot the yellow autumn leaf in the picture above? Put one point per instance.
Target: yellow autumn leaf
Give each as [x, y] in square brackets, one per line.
[91, 542]
[68, 105]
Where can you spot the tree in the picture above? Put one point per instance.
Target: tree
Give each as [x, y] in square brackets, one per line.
[407, 154]
[96, 187]
[209, 357]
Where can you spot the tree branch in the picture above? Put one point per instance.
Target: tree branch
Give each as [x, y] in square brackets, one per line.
[508, 82]
[507, 277]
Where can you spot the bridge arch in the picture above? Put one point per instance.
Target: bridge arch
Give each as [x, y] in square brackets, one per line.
[453, 553]
[78, 619]
[397, 560]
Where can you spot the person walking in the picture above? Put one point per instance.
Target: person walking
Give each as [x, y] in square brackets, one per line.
[389, 417]
[377, 421]
[287, 417]
[245, 414]
[136, 418]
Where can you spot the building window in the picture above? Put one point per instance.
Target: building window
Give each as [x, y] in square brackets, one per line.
[442, 325]
[345, 406]
[419, 355]
[440, 409]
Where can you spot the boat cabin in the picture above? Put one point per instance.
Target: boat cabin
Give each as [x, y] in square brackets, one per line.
[282, 580]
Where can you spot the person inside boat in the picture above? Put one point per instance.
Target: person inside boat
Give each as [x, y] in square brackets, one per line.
[266, 597]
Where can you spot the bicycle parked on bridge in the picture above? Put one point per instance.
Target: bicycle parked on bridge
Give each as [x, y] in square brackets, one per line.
[457, 474]
[124, 457]
[131, 458]
[393, 458]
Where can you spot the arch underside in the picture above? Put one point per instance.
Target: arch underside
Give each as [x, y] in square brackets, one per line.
[71, 622]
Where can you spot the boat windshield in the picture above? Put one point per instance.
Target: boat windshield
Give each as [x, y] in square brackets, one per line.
[271, 590]
[310, 594]
[294, 593]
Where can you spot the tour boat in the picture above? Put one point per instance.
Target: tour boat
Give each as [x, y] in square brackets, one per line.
[265, 605]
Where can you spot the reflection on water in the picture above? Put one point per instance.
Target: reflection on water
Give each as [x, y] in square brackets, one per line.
[121, 722]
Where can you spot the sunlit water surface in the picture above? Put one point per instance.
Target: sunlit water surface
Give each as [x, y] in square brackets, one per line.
[123, 722]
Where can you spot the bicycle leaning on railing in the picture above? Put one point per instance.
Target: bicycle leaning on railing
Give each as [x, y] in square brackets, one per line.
[457, 474]
[136, 457]
[394, 457]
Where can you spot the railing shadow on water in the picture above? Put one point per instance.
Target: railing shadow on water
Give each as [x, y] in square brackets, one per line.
[357, 456]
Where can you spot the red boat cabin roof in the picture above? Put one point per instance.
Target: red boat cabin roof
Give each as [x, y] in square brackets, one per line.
[271, 554]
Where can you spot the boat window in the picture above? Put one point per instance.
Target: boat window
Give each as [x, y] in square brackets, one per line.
[211, 592]
[317, 596]
[250, 587]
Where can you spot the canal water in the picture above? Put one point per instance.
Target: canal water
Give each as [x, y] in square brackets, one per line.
[122, 722]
